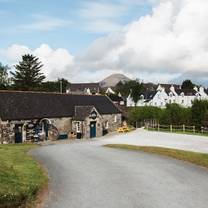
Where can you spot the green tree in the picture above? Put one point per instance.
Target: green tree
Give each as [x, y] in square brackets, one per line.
[54, 86]
[199, 112]
[175, 114]
[136, 90]
[139, 114]
[4, 79]
[187, 84]
[28, 74]
[125, 88]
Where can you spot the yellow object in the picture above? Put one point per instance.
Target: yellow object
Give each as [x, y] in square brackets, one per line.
[123, 129]
[72, 135]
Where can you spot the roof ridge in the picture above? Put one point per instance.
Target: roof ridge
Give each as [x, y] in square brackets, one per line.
[49, 93]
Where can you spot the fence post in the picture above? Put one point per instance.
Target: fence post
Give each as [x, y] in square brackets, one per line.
[171, 128]
[194, 130]
[158, 127]
[184, 128]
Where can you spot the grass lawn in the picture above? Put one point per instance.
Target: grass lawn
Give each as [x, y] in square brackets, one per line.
[192, 157]
[20, 176]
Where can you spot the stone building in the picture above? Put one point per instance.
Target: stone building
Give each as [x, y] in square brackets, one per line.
[29, 116]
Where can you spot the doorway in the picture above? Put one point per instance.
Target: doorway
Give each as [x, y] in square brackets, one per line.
[18, 133]
[92, 129]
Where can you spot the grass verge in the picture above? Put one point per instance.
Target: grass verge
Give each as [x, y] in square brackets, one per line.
[21, 177]
[192, 157]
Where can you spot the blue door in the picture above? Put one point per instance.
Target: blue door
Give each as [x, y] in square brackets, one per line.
[18, 133]
[93, 129]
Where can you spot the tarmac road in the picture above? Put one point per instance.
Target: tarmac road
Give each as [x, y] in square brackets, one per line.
[87, 175]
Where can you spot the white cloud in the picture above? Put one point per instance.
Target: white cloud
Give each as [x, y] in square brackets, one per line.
[172, 40]
[170, 43]
[101, 10]
[101, 17]
[45, 23]
[57, 63]
[102, 26]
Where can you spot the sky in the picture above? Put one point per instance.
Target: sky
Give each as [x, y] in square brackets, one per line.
[85, 40]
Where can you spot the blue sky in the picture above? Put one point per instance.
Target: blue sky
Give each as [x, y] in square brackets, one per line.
[69, 24]
[86, 40]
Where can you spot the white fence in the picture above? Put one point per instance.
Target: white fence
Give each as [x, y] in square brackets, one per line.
[177, 128]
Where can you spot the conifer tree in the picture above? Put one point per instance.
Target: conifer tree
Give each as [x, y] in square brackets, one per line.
[27, 75]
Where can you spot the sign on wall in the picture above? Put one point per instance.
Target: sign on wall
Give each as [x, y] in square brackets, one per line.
[93, 115]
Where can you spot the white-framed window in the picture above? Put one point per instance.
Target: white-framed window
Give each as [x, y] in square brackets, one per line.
[78, 127]
[106, 125]
[115, 118]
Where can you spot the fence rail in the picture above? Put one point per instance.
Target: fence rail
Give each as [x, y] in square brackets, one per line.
[177, 128]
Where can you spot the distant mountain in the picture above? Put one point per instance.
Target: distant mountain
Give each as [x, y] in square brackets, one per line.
[113, 80]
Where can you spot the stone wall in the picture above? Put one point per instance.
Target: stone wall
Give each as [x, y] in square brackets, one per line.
[6, 133]
[113, 124]
[64, 125]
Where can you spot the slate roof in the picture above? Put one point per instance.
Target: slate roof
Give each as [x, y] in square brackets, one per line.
[187, 92]
[35, 105]
[81, 112]
[148, 95]
[206, 91]
[81, 87]
[115, 98]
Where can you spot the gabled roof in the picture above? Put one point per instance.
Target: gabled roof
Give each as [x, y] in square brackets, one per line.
[82, 112]
[148, 95]
[187, 92]
[35, 105]
[168, 86]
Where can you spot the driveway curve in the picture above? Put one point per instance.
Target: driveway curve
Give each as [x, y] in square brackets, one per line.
[143, 137]
[87, 175]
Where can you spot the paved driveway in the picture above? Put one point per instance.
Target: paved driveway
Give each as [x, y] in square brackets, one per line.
[87, 175]
[151, 138]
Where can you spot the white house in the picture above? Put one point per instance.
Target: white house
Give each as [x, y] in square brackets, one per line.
[168, 94]
[110, 91]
